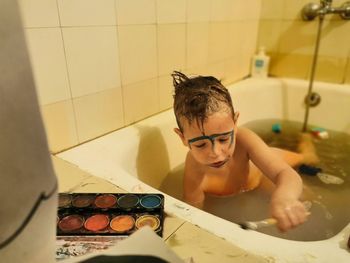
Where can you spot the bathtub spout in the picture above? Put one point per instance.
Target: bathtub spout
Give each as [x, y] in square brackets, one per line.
[311, 10]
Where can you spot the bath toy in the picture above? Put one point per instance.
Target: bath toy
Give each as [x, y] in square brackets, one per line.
[329, 179]
[318, 129]
[309, 170]
[320, 133]
[276, 128]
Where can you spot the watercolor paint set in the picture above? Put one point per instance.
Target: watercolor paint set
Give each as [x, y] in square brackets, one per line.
[108, 214]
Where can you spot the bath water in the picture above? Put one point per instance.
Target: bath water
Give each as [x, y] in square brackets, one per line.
[330, 211]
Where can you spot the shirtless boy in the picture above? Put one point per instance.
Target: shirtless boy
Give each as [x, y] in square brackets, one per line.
[224, 159]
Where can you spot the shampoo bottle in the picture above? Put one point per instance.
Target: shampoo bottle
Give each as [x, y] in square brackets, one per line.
[260, 64]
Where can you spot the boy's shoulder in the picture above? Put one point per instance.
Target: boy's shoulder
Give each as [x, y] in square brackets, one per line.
[245, 136]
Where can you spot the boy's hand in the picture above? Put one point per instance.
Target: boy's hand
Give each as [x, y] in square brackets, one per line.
[289, 213]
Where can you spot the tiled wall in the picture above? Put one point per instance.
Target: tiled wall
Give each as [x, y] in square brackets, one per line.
[100, 65]
[290, 42]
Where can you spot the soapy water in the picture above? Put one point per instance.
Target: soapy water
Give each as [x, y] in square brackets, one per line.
[329, 191]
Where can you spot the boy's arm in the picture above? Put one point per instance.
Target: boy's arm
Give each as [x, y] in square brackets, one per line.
[285, 204]
[193, 192]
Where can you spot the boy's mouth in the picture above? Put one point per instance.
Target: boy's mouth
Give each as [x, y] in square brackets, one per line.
[218, 164]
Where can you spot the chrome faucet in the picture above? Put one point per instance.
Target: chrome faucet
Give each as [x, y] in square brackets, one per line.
[312, 10]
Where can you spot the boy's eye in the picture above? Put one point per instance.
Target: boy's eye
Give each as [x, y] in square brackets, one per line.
[200, 145]
[223, 139]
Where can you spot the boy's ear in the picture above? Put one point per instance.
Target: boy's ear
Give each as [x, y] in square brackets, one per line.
[182, 137]
[235, 117]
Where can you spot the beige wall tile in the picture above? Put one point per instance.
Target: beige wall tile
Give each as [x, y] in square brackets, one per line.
[330, 69]
[335, 39]
[87, 12]
[198, 10]
[232, 71]
[221, 10]
[48, 64]
[197, 44]
[138, 53]
[217, 70]
[192, 241]
[251, 9]
[269, 34]
[218, 41]
[272, 9]
[165, 91]
[170, 11]
[140, 100]
[249, 40]
[92, 58]
[236, 31]
[60, 125]
[244, 60]
[290, 65]
[246, 10]
[347, 72]
[98, 113]
[297, 37]
[132, 12]
[292, 9]
[171, 48]
[39, 13]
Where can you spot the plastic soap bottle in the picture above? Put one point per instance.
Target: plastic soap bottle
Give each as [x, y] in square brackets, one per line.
[260, 64]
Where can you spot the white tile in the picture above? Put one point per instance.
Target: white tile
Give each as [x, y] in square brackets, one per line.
[198, 10]
[87, 12]
[236, 31]
[140, 100]
[197, 44]
[39, 13]
[171, 54]
[246, 9]
[131, 12]
[252, 9]
[218, 41]
[272, 9]
[92, 57]
[222, 10]
[48, 64]
[60, 126]
[170, 11]
[165, 91]
[138, 53]
[98, 113]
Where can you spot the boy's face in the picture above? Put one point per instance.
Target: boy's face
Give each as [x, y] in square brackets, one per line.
[213, 145]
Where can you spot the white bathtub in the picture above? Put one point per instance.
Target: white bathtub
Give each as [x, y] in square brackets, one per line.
[138, 157]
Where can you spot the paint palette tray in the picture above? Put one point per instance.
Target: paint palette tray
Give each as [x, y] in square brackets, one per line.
[108, 214]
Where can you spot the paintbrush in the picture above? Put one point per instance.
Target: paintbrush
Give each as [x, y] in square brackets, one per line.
[254, 225]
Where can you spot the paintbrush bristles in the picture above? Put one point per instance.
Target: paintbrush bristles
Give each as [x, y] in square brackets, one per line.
[258, 224]
[248, 225]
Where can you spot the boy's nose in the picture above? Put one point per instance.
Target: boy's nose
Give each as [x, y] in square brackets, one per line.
[215, 149]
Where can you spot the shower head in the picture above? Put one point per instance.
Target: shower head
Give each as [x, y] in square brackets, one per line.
[310, 11]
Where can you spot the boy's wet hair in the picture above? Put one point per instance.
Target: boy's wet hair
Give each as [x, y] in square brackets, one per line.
[198, 97]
